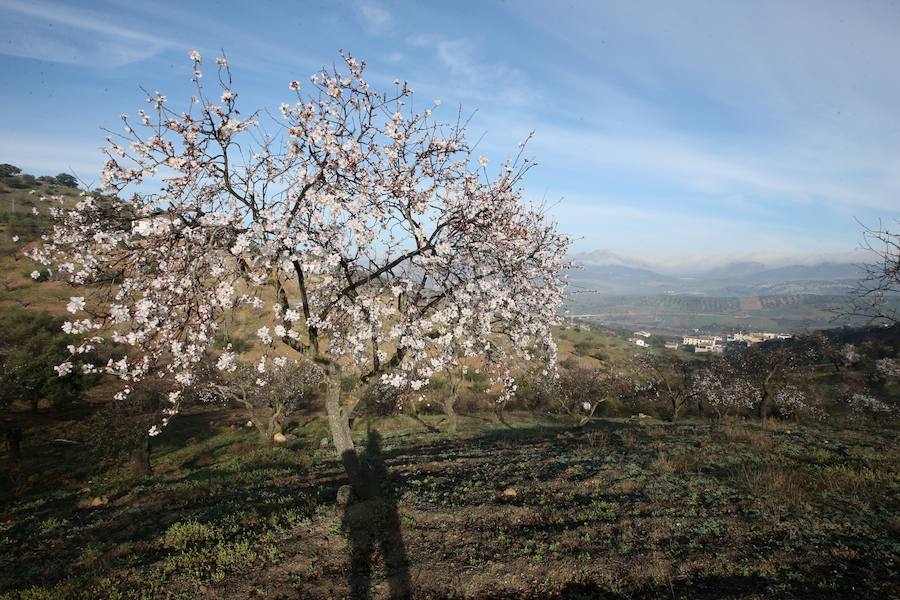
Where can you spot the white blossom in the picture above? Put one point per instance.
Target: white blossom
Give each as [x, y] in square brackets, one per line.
[76, 304]
[63, 369]
[385, 249]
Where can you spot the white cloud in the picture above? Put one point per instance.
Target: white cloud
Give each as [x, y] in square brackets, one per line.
[59, 33]
[374, 17]
[470, 76]
[776, 175]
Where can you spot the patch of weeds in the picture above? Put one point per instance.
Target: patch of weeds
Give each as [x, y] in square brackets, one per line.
[51, 525]
[777, 485]
[185, 534]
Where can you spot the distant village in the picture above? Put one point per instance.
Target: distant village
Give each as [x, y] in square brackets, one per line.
[701, 344]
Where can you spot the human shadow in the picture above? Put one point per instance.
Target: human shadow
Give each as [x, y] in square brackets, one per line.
[371, 519]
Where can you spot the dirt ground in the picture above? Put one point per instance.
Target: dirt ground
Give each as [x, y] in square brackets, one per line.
[619, 509]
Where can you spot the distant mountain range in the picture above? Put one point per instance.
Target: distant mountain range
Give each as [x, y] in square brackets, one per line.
[607, 273]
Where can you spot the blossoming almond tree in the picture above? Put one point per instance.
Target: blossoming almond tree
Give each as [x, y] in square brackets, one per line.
[365, 229]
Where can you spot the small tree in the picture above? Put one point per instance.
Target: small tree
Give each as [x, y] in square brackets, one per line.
[791, 402]
[8, 170]
[876, 295]
[31, 345]
[581, 391]
[670, 379]
[270, 393]
[368, 232]
[66, 180]
[720, 386]
[864, 405]
[768, 368]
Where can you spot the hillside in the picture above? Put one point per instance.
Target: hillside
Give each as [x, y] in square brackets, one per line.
[680, 313]
[607, 273]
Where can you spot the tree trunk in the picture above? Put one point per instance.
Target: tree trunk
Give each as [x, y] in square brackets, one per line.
[452, 418]
[498, 411]
[264, 433]
[140, 458]
[338, 417]
[765, 405]
[675, 408]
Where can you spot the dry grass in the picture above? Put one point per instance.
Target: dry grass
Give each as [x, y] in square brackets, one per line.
[654, 569]
[657, 433]
[775, 484]
[853, 482]
[598, 438]
[739, 433]
[629, 439]
[675, 463]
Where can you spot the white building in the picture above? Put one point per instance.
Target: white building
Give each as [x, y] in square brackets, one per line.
[757, 337]
[701, 340]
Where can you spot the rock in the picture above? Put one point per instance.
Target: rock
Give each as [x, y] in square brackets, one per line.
[510, 493]
[248, 424]
[95, 502]
[323, 443]
[279, 438]
[344, 495]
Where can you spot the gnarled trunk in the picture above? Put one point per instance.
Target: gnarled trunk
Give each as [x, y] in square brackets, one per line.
[765, 403]
[338, 417]
[452, 418]
[675, 408]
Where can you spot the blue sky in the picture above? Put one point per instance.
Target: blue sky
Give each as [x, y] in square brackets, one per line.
[686, 133]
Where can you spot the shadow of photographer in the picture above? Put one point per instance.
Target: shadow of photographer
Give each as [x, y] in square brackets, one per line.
[371, 520]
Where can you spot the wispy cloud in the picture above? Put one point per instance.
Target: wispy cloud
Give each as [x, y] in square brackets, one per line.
[374, 17]
[59, 33]
[471, 74]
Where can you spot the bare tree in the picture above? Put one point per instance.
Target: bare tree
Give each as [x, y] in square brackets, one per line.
[877, 294]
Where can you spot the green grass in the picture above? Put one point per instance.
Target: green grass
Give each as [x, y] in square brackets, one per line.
[620, 509]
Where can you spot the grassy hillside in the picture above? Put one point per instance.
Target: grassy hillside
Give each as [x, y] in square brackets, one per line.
[621, 509]
[19, 196]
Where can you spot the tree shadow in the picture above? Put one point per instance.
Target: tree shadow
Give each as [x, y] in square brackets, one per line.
[371, 520]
